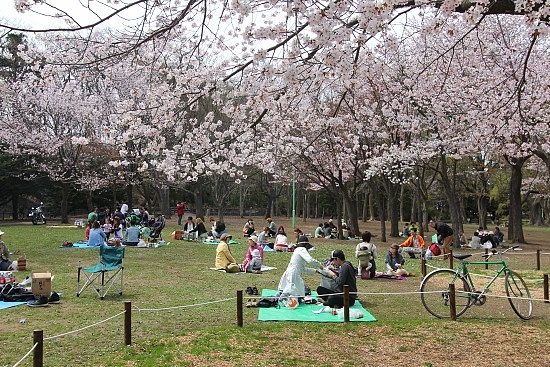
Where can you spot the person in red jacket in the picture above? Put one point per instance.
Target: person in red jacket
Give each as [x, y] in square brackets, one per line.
[180, 210]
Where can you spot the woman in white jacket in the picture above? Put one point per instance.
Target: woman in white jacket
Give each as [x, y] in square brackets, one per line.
[291, 283]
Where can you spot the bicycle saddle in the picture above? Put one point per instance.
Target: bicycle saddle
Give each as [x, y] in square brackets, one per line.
[462, 256]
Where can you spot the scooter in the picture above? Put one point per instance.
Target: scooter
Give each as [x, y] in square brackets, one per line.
[37, 216]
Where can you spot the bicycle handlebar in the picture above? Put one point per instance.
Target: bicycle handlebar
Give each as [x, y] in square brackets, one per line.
[495, 252]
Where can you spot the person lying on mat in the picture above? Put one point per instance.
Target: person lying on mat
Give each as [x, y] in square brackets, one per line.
[97, 236]
[291, 283]
[395, 262]
[345, 276]
[252, 245]
[133, 234]
[224, 258]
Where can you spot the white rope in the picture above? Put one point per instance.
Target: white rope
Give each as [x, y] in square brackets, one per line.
[507, 297]
[85, 327]
[184, 306]
[26, 355]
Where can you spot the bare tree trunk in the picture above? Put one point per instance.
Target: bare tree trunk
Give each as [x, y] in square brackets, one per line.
[515, 228]
[64, 203]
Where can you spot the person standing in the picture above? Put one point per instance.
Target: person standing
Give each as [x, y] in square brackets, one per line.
[180, 210]
[345, 276]
[444, 236]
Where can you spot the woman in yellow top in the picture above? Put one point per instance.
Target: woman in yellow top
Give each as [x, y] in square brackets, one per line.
[224, 258]
[414, 241]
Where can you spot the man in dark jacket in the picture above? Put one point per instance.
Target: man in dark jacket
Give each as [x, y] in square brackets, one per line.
[444, 236]
[346, 276]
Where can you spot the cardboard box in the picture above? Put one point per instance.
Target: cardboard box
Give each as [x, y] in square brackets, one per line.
[41, 283]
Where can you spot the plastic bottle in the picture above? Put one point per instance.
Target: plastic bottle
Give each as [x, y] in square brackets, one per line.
[2, 279]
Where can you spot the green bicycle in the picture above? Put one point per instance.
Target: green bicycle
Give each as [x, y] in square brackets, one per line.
[435, 288]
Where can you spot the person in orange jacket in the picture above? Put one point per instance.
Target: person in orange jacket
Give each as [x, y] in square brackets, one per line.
[414, 241]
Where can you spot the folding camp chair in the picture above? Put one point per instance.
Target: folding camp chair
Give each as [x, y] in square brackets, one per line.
[106, 274]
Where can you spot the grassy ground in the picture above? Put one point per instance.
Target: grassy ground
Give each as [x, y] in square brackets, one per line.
[207, 335]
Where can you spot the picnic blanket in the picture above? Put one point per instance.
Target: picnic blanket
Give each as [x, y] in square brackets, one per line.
[305, 312]
[79, 244]
[389, 276]
[217, 242]
[4, 305]
[264, 268]
[84, 244]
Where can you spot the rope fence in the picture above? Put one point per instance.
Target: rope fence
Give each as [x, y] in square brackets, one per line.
[37, 349]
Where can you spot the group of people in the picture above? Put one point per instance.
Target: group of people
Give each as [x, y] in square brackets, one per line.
[127, 227]
[486, 239]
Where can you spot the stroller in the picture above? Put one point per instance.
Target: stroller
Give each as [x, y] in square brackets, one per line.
[157, 227]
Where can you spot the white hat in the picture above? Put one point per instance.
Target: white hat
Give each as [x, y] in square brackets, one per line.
[255, 253]
[1, 232]
[253, 238]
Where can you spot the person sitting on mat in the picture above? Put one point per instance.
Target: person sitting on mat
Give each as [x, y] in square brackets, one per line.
[252, 245]
[133, 234]
[224, 258]
[97, 236]
[5, 262]
[395, 262]
[345, 276]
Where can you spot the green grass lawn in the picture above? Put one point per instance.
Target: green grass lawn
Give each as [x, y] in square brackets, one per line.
[158, 282]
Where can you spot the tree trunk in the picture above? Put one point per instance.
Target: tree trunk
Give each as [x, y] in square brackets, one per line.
[197, 195]
[64, 203]
[535, 210]
[515, 227]
[482, 210]
[449, 185]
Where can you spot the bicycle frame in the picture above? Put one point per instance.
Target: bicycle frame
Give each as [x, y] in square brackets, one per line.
[464, 272]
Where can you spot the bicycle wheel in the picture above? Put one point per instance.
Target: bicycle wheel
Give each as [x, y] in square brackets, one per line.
[518, 295]
[435, 293]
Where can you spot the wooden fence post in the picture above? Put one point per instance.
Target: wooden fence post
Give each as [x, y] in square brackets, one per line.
[486, 258]
[346, 303]
[127, 323]
[451, 264]
[240, 308]
[423, 266]
[38, 356]
[452, 301]
[538, 259]
[545, 289]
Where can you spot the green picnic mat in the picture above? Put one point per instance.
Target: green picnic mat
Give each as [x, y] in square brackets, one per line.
[304, 312]
[217, 242]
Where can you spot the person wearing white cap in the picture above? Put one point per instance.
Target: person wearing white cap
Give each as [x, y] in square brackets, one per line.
[252, 245]
[224, 258]
[5, 263]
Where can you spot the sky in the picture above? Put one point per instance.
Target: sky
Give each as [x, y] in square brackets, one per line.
[42, 16]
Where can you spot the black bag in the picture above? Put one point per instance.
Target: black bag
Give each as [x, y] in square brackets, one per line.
[15, 293]
[268, 302]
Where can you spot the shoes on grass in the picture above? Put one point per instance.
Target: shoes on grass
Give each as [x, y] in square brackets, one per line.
[249, 291]
[40, 302]
[54, 298]
[254, 291]
[25, 282]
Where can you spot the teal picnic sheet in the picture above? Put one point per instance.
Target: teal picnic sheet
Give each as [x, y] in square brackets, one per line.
[217, 242]
[305, 312]
[4, 305]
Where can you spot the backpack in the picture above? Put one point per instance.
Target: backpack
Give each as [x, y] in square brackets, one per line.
[364, 254]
